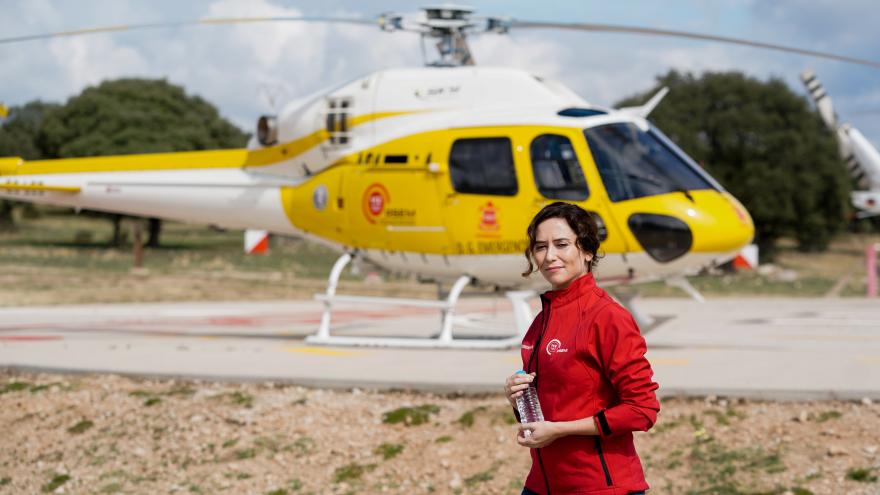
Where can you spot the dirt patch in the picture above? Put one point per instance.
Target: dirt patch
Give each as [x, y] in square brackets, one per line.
[111, 434]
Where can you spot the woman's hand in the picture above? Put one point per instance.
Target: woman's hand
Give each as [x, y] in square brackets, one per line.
[537, 435]
[515, 384]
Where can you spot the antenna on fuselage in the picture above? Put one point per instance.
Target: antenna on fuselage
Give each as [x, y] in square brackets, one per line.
[448, 25]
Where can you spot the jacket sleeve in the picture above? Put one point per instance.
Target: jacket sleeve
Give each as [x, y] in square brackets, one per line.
[621, 353]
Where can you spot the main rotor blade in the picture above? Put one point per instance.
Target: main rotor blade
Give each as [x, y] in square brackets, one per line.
[195, 22]
[611, 28]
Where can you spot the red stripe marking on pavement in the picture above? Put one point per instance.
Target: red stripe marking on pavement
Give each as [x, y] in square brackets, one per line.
[27, 338]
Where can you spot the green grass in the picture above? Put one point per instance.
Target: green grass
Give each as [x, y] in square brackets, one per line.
[801, 491]
[242, 454]
[443, 439]
[351, 472]
[15, 387]
[304, 446]
[862, 475]
[720, 418]
[410, 416]
[467, 419]
[151, 398]
[112, 488]
[718, 469]
[828, 415]
[482, 476]
[56, 481]
[61, 239]
[663, 426]
[388, 450]
[40, 388]
[238, 398]
[81, 427]
[271, 444]
[238, 475]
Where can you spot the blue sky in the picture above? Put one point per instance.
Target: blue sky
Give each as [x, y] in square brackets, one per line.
[237, 67]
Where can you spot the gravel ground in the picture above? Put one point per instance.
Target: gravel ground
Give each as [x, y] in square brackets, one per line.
[112, 434]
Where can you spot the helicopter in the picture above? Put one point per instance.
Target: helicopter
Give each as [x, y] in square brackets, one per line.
[860, 156]
[435, 171]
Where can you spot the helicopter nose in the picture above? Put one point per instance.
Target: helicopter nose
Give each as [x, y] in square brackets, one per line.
[719, 222]
[710, 224]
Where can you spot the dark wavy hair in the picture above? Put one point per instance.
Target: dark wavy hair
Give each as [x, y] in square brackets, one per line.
[580, 221]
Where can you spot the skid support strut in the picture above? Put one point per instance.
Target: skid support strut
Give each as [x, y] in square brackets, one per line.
[445, 339]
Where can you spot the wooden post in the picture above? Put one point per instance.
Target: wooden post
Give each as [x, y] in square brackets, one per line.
[871, 268]
[138, 243]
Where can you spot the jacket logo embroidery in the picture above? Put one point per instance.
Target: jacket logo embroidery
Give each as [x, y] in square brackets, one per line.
[527, 347]
[555, 346]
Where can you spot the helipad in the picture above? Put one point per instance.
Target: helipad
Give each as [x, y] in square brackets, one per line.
[772, 348]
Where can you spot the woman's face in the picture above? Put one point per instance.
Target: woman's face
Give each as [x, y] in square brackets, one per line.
[559, 258]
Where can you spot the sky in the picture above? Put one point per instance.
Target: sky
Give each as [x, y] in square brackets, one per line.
[246, 70]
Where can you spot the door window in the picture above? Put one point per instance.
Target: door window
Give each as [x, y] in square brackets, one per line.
[558, 174]
[483, 166]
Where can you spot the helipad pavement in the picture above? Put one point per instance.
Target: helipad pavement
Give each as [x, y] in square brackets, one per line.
[773, 348]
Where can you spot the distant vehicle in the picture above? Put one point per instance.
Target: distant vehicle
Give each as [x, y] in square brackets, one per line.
[861, 157]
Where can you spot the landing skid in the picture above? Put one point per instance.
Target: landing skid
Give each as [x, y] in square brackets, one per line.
[630, 300]
[444, 340]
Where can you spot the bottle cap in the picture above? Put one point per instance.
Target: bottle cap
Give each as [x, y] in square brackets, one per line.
[521, 372]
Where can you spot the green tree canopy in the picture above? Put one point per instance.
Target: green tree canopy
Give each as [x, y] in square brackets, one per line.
[18, 134]
[123, 116]
[765, 145]
[127, 116]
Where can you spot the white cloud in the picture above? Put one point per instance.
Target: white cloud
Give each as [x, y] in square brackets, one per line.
[88, 61]
[235, 66]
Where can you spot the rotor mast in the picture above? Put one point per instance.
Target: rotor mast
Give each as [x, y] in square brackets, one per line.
[449, 25]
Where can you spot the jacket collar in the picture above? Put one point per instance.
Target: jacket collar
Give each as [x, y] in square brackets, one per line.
[575, 289]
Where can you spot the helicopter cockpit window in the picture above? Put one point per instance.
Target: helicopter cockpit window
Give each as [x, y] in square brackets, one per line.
[558, 174]
[634, 163]
[483, 166]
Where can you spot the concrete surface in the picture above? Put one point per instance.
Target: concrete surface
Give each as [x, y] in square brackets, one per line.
[769, 348]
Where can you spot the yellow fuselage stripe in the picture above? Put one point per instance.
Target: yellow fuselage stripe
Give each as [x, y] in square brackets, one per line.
[35, 187]
[234, 158]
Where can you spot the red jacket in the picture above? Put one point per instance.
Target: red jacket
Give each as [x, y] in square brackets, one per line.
[589, 360]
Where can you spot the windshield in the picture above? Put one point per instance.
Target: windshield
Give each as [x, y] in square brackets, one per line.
[634, 163]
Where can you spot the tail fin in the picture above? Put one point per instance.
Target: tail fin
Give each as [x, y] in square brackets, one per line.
[821, 98]
[644, 110]
[861, 157]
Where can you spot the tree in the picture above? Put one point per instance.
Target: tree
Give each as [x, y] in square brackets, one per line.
[765, 145]
[18, 137]
[125, 116]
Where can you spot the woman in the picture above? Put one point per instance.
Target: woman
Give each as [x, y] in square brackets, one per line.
[586, 357]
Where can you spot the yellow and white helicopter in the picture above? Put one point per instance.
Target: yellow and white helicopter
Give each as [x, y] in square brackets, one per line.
[434, 170]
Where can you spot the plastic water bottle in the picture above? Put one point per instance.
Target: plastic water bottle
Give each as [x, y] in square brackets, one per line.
[528, 406]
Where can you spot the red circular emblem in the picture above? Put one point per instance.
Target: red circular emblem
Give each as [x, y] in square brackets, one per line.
[375, 199]
[377, 203]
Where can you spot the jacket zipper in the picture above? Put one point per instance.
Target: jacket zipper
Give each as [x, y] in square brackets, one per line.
[546, 311]
[602, 460]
